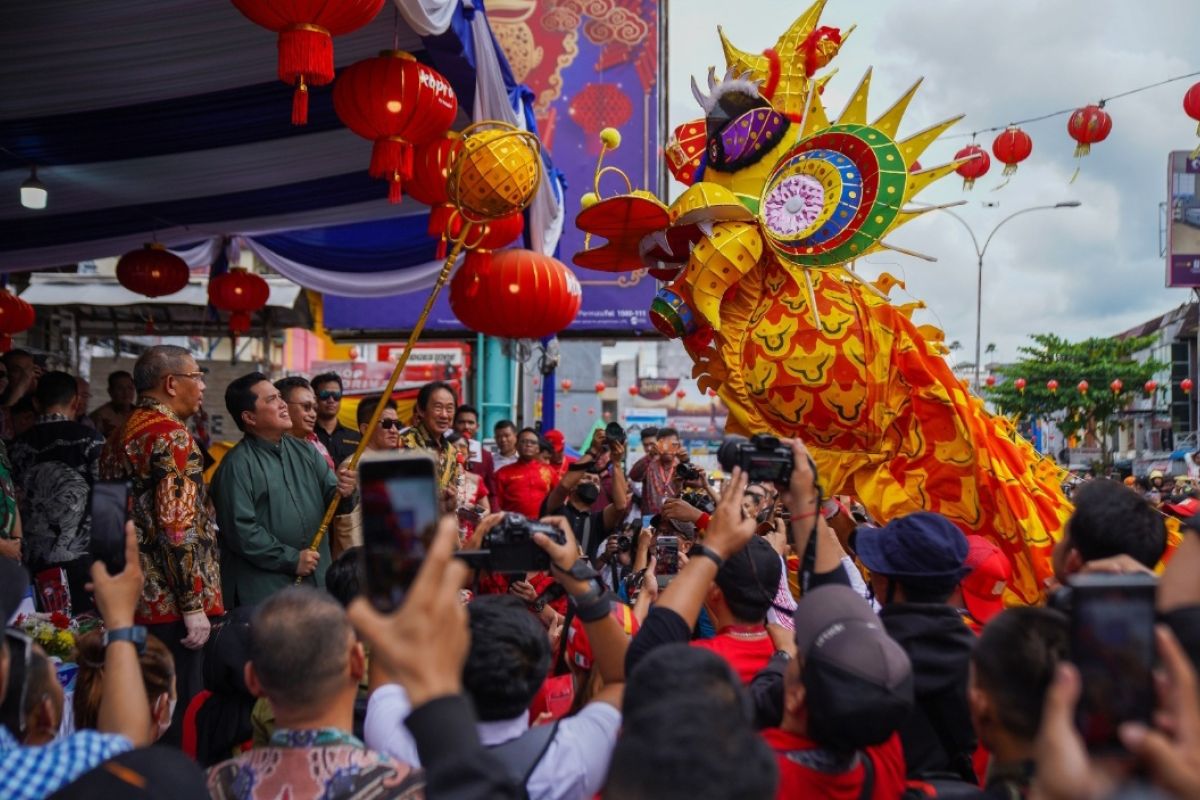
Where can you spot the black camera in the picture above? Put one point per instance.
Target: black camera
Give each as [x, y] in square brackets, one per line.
[614, 432]
[763, 458]
[624, 543]
[509, 547]
[688, 472]
[699, 499]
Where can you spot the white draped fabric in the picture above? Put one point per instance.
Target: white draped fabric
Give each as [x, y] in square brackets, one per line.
[427, 17]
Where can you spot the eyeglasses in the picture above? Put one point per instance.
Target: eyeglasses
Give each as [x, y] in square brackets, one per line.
[388, 424]
[756, 497]
[329, 394]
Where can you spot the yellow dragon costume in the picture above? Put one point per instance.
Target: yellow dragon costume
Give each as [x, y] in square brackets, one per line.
[755, 254]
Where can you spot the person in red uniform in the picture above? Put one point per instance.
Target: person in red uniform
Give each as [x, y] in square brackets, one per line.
[738, 602]
[521, 487]
[847, 688]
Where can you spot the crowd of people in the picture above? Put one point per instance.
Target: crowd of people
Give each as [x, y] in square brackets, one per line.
[740, 639]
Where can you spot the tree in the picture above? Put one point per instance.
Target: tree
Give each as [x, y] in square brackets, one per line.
[1099, 361]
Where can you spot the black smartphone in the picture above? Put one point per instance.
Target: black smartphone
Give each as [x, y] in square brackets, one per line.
[110, 511]
[400, 511]
[1112, 645]
[666, 554]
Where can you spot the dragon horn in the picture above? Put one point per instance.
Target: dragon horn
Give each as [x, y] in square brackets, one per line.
[712, 78]
[700, 96]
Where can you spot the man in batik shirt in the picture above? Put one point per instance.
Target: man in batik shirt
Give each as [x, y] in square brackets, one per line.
[433, 419]
[173, 514]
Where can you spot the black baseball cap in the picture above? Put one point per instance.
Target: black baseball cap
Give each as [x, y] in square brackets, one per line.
[920, 547]
[750, 577]
[858, 681]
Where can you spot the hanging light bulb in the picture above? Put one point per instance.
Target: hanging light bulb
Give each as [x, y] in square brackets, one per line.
[33, 191]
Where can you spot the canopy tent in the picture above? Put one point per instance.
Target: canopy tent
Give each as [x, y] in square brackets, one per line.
[164, 119]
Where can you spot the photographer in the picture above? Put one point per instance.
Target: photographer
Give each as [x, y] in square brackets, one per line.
[660, 481]
[575, 496]
[649, 444]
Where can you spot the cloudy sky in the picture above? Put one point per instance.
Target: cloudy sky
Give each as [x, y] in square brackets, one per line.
[1080, 272]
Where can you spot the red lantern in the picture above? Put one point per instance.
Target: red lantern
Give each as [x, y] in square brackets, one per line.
[1052, 385]
[525, 295]
[681, 393]
[239, 292]
[974, 169]
[397, 102]
[1117, 385]
[1151, 387]
[566, 384]
[990, 381]
[1186, 384]
[496, 233]
[1020, 384]
[1087, 126]
[712, 392]
[1011, 148]
[1083, 387]
[600, 386]
[633, 391]
[598, 106]
[306, 29]
[1191, 105]
[153, 271]
[16, 316]
[432, 162]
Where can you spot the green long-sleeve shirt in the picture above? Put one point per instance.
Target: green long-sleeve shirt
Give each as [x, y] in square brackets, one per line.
[270, 499]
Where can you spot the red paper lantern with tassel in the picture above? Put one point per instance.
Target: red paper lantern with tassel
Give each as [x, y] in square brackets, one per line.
[1087, 126]
[306, 29]
[153, 271]
[397, 102]
[1052, 386]
[990, 381]
[1020, 383]
[497, 233]
[1117, 385]
[16, 316]
[633, 391]
[1083, 387]
[566, 384]
[681, 393]
[1191, 105]
[432, 162]
[974, 169]
[524, 295]
[1151, 387]
[599, 387]
[1186, 385]
[241, 293]
[1011, 148]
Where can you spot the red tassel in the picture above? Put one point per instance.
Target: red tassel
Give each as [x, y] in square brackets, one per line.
[300, 104]
[441, 250]
[394, 193]
[239, 322]
[391, 157]
[305, 50]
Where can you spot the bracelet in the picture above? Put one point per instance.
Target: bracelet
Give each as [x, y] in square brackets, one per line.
[706, 552]
[593, 605]
[581, 570]
[798, 517]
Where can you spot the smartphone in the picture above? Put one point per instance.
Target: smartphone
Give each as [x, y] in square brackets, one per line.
[110, 512]
[400, 512]
[666, 554]
[1112, 645]
[648, 520]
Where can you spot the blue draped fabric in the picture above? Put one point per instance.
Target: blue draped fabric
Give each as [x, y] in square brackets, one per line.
[377, 246]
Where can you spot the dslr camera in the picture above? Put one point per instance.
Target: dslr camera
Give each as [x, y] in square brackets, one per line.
[614, 432]
[763, 458]
[688, 472]
[699, 499]
[509, 546]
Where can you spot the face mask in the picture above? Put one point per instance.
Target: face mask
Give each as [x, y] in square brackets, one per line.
[587, 492]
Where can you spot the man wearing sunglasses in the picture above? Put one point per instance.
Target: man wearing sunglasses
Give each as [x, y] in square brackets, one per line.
[340, 441]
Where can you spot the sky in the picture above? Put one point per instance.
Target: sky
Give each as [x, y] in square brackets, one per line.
[1089, 271]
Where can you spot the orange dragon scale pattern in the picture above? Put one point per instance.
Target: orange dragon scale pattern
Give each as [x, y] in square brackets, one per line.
[756, 256]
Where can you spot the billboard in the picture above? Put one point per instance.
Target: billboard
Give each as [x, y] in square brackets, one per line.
[1183, 219]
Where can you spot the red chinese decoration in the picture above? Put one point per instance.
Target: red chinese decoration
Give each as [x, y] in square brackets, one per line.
[1083, 387]
[524, 295]
[681, 393]
[432, 162]
[633, 391]
[1087, 126]
[990, 381]
[600, 386]
[1020, 384]
[1191, 105]
[974, 169]
[16, 316]
[712, 392]
[1052, 385]
[241, 293]
[153, 271]
[496, 233]
[566, 384]
[306, 29]
[1011, 148]
[1186, 384]
[397, 102]
[1151, 387]
[598, 106]
[1117, 385]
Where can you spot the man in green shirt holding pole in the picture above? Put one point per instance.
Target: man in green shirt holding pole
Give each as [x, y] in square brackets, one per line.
[270, 493]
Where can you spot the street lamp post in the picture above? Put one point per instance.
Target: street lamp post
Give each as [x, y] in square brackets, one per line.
[980, 252]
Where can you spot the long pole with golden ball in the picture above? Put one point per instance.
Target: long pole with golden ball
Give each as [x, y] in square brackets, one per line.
[496, 173]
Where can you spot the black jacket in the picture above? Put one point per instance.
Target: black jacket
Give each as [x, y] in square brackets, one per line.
[938, 738]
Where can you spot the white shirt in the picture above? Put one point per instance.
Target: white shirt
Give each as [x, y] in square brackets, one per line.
[573, 767]
[499, 461]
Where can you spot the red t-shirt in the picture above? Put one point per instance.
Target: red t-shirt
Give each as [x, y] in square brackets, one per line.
[523, 487]
[747, 648]
[797, 780]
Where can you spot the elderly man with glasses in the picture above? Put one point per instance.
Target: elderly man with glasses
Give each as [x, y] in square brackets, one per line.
[171, 511]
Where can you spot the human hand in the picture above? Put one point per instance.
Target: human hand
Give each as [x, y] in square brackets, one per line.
[782, 638]
[563, 556]
[616, 451]
[729, 529]
[611, 547]
[680, 510]
[117, 595]
[801, 493]
[425, 642]
[523, 590]
[650, 579]
[10, 548]
[1122, 564]
[645, 538]
[347, 480]
[307, 564]
[198, 629]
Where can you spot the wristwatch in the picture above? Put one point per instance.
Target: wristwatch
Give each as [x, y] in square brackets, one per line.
[581, 570]
[135, 634]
